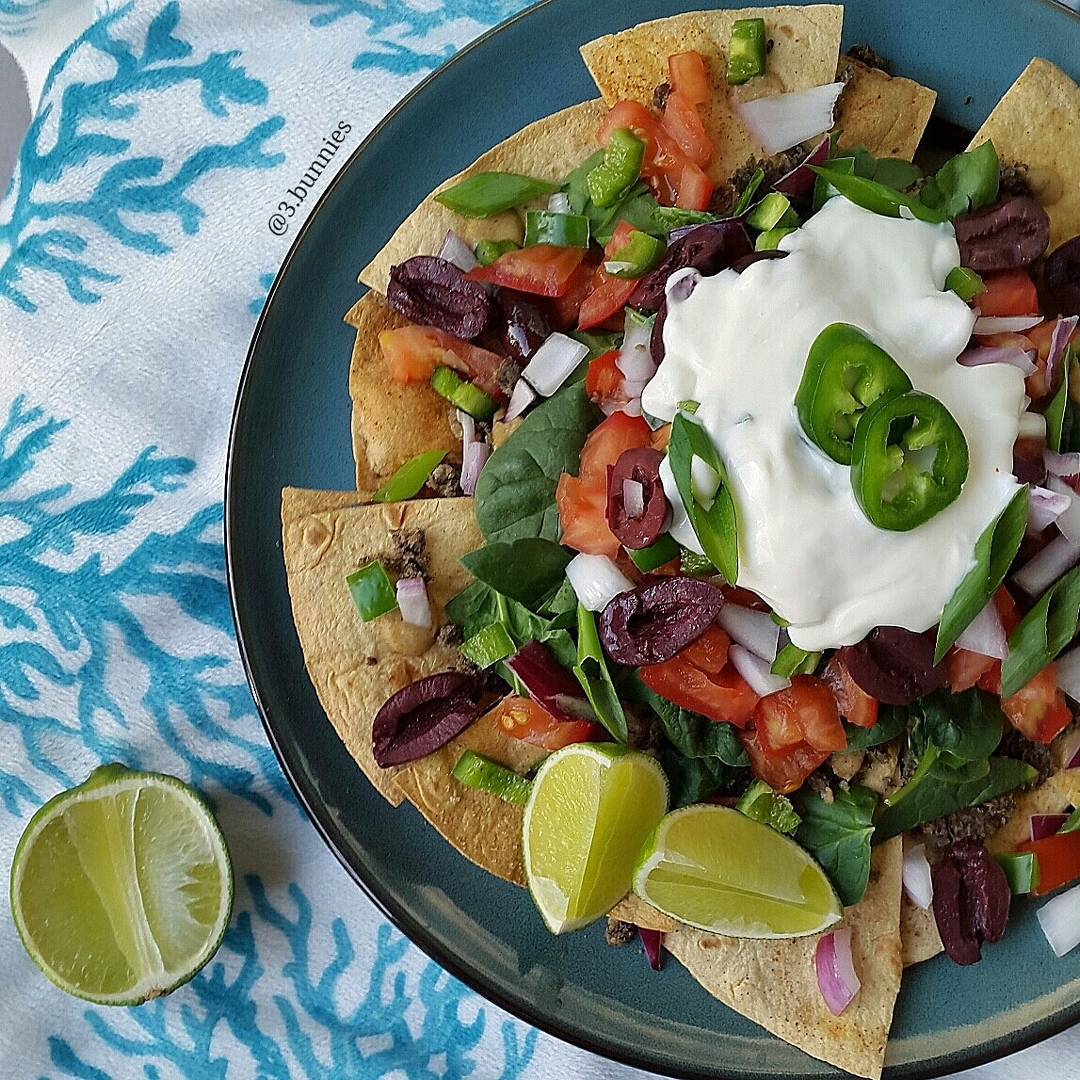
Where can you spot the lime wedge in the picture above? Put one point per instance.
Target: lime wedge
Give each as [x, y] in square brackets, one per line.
[719, 870]
[121, 888]
[591, 808]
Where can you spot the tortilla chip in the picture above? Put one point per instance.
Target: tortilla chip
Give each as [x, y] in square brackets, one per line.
[548, 149]
[774, 983]
[806, 46]
[355, 666]
[1060, 791]
[634, 910]
[1037, 123]
[390, 422]
[919, 937]
[884, 113]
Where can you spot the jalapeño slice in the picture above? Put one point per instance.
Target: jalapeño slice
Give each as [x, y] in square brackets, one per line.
[845, 373]
[909, 460]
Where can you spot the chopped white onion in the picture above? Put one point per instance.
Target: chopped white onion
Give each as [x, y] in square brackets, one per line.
[1060, 921]
[1067, 666]
[1032, 426]
[918, 885]
[1068, 520]
[635, 354]
[835, 968]
[412, 599]
[1044, 569]
[633, 498]
[474, 461]
[551, 364]
[522, 396]
[1063, 465]
[1046, 506]
[468, 430]
[704, 482]
[559, 203]
[756, 671]
[985, 634]
[782, 121]
[455, 250]
[1063, 329]
[1005, 324]
[632, 407]
[997, 354]
[632, 388]
[596, 580]
[682, 283]
[755, 630]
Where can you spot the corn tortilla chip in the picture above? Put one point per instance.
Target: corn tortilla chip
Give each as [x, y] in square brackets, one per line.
[1060, 791]
[548, 149]
[884, 113]
[390, 422]
[634, 910]
[1037, 123]
[806, 46]
[774, 983]
[919, 935]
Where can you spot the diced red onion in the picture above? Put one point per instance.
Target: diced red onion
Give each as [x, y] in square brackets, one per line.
[550, 366]
[1045, 507]
[596, 580]
[652, 940]
[522, 396]
[1059, 919]
[918, 885]
[475, 459]
[801, 179]
[682, 283]
[997, 354]
[413, 602]
[468, 430]
[836, 976]
[985, 634]
[633, 497]
[782, 121]
[1068, 519]
[559, 203]
[1060, 555]
[1063, 329]
[1005, 324]
[1032, 426]
[455, 250]
[549, 684]
[1067, 667]
[755, 630]
[756, 671]
[1063, 465]
[1043, 825]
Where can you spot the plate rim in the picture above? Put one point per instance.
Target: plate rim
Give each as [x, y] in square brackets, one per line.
[382, 898]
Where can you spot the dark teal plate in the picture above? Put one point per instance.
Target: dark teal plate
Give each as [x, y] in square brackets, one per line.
[292, 427]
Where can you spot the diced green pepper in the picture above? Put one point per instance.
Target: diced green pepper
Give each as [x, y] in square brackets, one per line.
[487, 251]
[372, 591]
[774, 211]
[663, 551]
[489, 193]
[1021, 872]
[761, 803]
[746, 51]
[770, 240]
[619, 170]
[636, 257]
[464, 395]
[560, 230]
[482, 774]
[965, 283]
[410, 478]
[488, 646]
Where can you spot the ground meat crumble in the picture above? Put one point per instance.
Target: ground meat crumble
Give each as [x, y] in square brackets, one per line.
[445, 480]
[619, 933]
[870, 57]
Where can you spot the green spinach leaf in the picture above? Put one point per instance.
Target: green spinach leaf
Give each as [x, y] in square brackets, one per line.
[967, 726]
[696, 737]
[592, 672]
[526, 570]
[838, 835]
[891, 723]
[965, 182]
[693, 780]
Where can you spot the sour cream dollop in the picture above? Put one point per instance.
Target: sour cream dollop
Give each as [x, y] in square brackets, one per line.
[738, 345]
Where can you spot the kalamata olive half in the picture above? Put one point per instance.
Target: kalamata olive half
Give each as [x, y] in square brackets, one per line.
[640, 465]
[650, 624]
[971, 900]
[894, 665]
[524, 327]
[739, 265]
[1061, 277]
[433, 292]
[1004, 236]
[656, 338]
[424, 716]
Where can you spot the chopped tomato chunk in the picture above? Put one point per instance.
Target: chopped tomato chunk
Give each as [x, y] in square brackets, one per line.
[608, 295]
[565, 308]
[855, 705]
[1038, 710]
[1059, 860]
[694, 189]
[413, 352]
[688, 77]
[785, 771]
[682, 122]
[603, 380]
[1010, 292]
[523, 719]
[805, 711]
[542, 269]
[965, 669]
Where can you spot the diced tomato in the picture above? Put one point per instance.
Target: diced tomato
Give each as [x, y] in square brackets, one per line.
[805, 711]
[564, 309]
[964, 669]
[413, 352]
[608, 295]
[786, 771]
[709, 653]
[855, 705]
[688, 77]
[523, 719]
[1010, 292]
[633, 116]
[1038, 711]
[1059, 860]
[661, 437]
[603, 380]
[682, 122]
[582, 499]
[541, 269]
[695, 188]
[736, 594]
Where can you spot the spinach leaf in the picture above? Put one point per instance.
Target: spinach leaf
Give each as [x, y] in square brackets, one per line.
[838, 835]
[692, 780]
[592, 672]
[965, 182]
[574, 185]
[891, 723]
[515, 495]
[525, 570]
[1044, 631]
[560, 606]
[966, 726]
[938, 788]
[892, 172]
[696, 737]
[994, 552]
[875, 197]
[666, 218]
[598, 342]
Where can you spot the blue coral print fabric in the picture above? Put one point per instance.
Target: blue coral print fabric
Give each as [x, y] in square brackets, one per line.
[135, 256]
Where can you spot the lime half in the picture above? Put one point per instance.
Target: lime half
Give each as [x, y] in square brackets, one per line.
[591, 808]
[719, 870]
[121, 888]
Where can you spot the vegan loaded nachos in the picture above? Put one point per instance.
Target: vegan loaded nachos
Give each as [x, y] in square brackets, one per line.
[714, 563]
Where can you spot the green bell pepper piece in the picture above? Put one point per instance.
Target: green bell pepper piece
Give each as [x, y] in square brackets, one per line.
[746, 51]
[487, 251]
[965, 283]
[770, 240]
[636, 257]
[372, 591]
[616, 174]
[560, 230]
[774, 211]
[464, 395]
[1021, 871]
[482, 774]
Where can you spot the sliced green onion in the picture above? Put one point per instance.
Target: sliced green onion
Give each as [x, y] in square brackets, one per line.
[1043, 632]
[487, 251]
[617, 173]
[689, 405]
[636, 257]
[757, 177]
[372, 591]
[823, 190]
[666, 218]
[774, 211]
[489, 193]
[761, 803]
[875, 197]
[965, 283]
[1072, 823]
[1054, 413]
[410, 478]
[464, 395]
[662, 552]
[770, 239]
[559, 230]
[482, 774]
[691, 564]
[746, 51]
[1021, 872]
[792, 661]
[488, 646]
